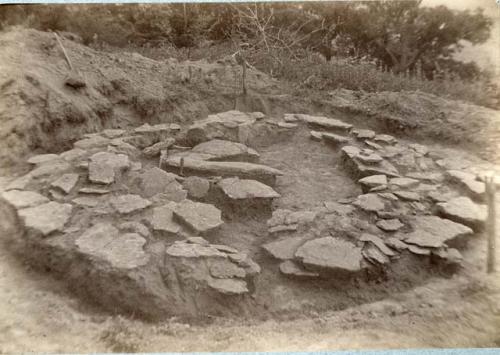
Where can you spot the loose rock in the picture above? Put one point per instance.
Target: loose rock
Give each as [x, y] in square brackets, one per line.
[46, 218]
[199, 216]
[129, 203]
[330, 253]
[66, 182]
[463, 210]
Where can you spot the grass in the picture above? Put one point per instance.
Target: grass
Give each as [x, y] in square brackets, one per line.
[367, 77]
[310, 70]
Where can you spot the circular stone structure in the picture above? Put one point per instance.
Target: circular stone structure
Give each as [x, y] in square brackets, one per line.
[142, 221]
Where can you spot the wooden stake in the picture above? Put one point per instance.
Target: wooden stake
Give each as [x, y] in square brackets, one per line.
[491, 227]
[181, 168]
[64, 52]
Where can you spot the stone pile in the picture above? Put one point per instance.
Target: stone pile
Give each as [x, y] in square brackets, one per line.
[139, 211]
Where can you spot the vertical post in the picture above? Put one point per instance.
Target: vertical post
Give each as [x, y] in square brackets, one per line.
[181, 168]
[491, 228]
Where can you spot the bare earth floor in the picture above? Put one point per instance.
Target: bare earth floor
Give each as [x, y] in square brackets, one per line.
[38, 315]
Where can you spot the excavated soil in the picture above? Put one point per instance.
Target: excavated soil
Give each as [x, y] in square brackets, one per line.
[65, 292]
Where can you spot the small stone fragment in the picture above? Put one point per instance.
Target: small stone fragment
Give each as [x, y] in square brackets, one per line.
[134, 227]
[290, 268]
[364, 133]
[369, 202]
[66, 182]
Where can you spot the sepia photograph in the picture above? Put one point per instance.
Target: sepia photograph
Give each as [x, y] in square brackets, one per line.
[250, 176]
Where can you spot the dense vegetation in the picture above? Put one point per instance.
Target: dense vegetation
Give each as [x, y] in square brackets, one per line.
[382, 45]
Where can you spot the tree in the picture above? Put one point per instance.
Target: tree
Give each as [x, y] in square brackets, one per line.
[402, 33]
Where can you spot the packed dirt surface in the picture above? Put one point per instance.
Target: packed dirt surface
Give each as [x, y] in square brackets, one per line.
[138, 190]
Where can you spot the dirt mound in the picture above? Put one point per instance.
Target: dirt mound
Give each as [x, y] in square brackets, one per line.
[41, 109]
[425, 116]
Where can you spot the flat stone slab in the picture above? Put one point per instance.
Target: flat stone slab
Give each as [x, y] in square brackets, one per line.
[242, 189]
[46, 218]
[93, 191]
[223, 269]
[42, 158]
[23, 199]
[66, 182]
[155, 149]
[73, 154]
[228, 125]
[334, 138]
[385, 138]
[374, 255]
[404, 182]
[193, 250]
[290, 268]
[135, 227]
[316, 136]
[113, 132]
[371, 158]
[163, 219]
[155, 180]
[426, 176]
[369, 202]
[325, 122]
[363, 133]
[330, 253]
[396, 244]
[196, 187]
[350, 159]
[390, 225]
[407, 195]
[93, 142]
[287, 220]
[219, 150]
[284, 249]
[435, 232]
[122, 251]
[468, 182]
[104, 165]
[241, 169]
[373, 181]
[418, 250]
[464, 210]
[147, 128]
[50, 168]
[201, 217]
[229, 286]
[378, 242]
[129, 203]
[87, 201]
